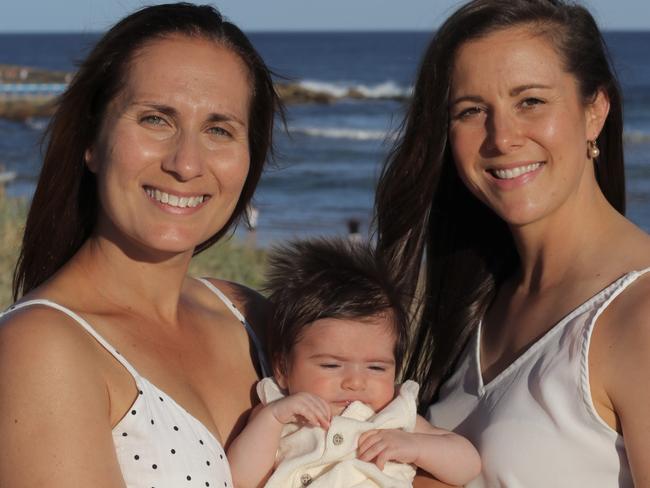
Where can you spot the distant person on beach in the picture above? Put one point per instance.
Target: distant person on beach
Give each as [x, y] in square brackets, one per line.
[116, 368]
[252, 216]
[353, 231]
[333, 416]
[504, 198]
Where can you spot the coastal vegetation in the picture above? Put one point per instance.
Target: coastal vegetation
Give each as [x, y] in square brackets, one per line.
[231, 259]
[12, 218]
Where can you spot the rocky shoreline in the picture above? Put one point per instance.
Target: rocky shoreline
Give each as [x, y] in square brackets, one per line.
[21, 107]
[10, 73]
[27, 107]
[24, 106]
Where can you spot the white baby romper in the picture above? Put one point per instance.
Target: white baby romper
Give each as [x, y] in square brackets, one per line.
[310, 456]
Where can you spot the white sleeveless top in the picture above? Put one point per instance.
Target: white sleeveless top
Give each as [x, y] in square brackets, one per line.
[158, 443]
[535, 424]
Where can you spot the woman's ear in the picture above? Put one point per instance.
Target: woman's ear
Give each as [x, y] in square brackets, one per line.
[597, 111]
[89, 160]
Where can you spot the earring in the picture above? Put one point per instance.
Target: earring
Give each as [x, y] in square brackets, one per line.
[592, 150]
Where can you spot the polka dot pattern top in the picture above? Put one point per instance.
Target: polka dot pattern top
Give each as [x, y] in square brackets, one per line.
[158, 443]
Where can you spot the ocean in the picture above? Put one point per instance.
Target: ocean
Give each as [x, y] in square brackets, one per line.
[327, 165]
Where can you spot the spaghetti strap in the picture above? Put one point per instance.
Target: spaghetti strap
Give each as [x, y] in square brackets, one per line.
[614, 290]
[83, 323]
[641, 272]
[261, 357]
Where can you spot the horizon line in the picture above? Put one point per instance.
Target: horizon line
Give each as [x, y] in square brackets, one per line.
[359, 30]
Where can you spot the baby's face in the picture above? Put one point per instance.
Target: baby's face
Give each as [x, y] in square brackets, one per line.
[343, 360]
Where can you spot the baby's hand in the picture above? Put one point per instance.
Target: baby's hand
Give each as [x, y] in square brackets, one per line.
[302, 408]
[380, 446]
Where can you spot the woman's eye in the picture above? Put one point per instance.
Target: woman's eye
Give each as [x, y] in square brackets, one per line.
[468, 112]
[152, 120]
[531, 102]
[220, 131]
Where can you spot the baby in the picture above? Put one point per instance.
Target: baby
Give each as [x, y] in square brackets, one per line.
[335, 417]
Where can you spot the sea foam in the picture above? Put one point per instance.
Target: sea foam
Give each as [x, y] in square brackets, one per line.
[388, 89]
[343, 133]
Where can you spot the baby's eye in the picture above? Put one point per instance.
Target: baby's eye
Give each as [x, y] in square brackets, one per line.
[377, 368]
[329, 365]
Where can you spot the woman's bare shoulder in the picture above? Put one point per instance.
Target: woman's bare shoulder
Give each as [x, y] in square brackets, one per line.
[44, 330]
[629, 313]
[39, 342]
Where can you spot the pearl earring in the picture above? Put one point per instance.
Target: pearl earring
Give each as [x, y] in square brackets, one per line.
[592, 149]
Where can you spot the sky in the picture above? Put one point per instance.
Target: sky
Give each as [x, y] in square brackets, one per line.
[294, 15]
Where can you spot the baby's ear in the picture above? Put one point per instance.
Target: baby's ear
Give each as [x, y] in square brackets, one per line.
[280, 375]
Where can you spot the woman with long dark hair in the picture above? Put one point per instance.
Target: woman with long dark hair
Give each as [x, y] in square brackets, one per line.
[502, 204]
[116, 368]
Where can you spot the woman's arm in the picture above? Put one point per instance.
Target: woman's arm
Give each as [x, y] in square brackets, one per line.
[446, 455]
[619, 360]
[251, 454]
[55, 410]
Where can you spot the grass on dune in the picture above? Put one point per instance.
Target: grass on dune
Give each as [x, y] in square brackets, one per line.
[232, 260]
[12, 222]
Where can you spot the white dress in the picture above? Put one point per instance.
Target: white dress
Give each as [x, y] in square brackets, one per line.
[158, 443]
[327, 459]
[535, 424]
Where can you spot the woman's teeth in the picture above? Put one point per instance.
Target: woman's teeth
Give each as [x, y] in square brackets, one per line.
[508, 174]
[174, 200]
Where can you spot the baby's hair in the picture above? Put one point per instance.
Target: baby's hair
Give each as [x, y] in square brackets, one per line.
[329, 278]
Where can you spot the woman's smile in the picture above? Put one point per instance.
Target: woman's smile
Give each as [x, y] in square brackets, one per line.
[515, 171]
[514, 175]
[175, 200]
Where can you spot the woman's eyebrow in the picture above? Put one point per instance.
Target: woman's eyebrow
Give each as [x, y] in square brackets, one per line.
[513, 93]
[522, 88]
[172, 112]
[165, 109]
[224, 117]
[466, 98]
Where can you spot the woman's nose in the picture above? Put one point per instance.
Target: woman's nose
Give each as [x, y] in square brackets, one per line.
[184, 159]
[504, 131]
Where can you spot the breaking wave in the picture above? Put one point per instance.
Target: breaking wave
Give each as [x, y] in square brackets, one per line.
[343, 133]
